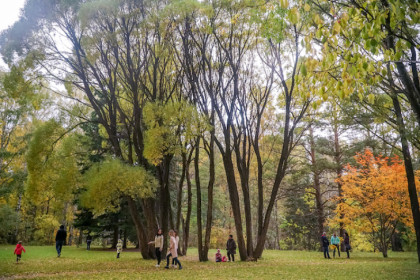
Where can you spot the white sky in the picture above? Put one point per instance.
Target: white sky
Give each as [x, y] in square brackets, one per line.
[9, 14]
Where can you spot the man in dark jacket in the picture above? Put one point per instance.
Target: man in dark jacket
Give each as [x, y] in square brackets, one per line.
[231, 248]
[88, 241]
[325, 243]
[60, 238]
[347, 244]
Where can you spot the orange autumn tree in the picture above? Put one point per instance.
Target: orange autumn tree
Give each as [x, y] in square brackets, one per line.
[375, 198]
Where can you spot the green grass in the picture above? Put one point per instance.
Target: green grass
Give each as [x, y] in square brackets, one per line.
[77, 263]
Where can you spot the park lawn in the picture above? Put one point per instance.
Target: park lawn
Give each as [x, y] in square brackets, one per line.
[77, 263]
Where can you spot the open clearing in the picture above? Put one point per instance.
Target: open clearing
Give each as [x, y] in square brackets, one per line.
[77, 263]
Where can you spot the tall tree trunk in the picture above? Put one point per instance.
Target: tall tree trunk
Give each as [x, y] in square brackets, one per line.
[248, 214]
[242, 156]
[141, 233]
[317, 184]
[179, 192]
[260, 187]
[256, 145]
[170, 210]
[411, 181]
[198, 189]
[148, 207]
[186, 230]
[243, 170]
[163, 174]
[339, 173]
[115, 236]
[280, 173]
[210, 188]
[412, 91]
[277, 245]
[179, 199]
[234, 201]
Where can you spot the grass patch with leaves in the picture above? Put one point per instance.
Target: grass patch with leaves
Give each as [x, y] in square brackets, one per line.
[41, 262]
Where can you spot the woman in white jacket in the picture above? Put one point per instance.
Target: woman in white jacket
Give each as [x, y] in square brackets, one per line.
[158, 246]
[177, 245]
[172, 251]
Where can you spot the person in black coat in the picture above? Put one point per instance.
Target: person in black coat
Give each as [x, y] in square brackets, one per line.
[231, 248]
[88, 241]
[347, 244]
[60, 239]
[325, 243]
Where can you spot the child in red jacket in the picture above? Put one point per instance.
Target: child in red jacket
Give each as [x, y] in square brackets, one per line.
[18, 251]
[218, 256]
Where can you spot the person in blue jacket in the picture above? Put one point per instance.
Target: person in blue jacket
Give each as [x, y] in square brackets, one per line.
[325, 243]
[335, 241]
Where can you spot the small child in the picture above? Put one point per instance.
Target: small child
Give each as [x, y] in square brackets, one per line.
[119, 248]
[18, 251]
[218, 256]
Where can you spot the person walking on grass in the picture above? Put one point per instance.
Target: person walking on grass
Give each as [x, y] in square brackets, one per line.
[60, 239]
[335, 241]
[177, 243]
[158, 246]
[231, 248]
[88, 242]
[18, 251]
[119, 248]
[347, 244]
[172, 251]
[325, 243]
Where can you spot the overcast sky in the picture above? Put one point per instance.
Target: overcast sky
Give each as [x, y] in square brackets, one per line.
[9, 12]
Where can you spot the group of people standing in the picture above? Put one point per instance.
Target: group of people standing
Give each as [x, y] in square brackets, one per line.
[335, 244]
[172, 250]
